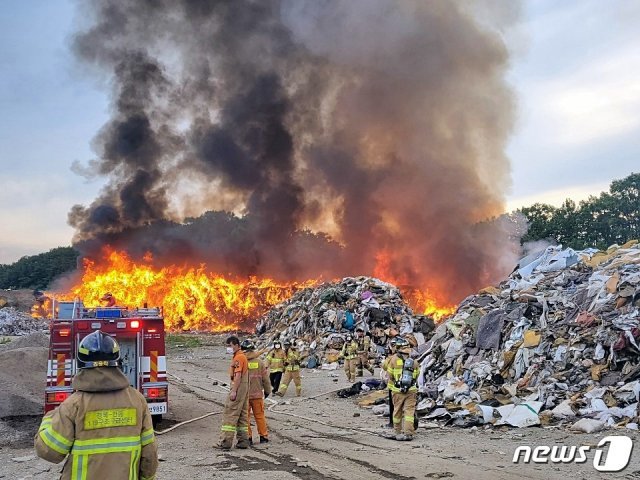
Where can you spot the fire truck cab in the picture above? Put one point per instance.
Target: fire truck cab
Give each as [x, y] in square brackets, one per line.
[140, 334]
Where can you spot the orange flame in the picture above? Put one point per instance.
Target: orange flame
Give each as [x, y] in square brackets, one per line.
[423, 300]
[194, 299]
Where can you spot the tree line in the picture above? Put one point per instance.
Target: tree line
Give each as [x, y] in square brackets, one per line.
[38, 271]
[612, 217]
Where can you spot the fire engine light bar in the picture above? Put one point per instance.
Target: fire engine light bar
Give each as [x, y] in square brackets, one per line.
[135, 324]
[64, 332]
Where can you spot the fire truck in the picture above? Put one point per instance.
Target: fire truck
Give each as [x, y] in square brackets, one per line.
[140, 334]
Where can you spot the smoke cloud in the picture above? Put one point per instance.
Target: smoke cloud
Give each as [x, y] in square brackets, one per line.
[324, 137]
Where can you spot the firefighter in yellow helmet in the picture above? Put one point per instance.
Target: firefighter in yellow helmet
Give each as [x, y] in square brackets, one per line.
[349, 354]
[259, 390]
[403, 374]
[275, 362]
[291, 370]
[104, 428]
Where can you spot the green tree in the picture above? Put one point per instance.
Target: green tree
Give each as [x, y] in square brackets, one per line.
[38, 271]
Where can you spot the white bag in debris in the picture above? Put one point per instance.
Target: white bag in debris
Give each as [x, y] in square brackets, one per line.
[588, 425]
[522, 415]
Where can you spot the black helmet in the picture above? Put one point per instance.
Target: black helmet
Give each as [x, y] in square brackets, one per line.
[247, 345]
[98, 349]
[277, 344]
[349, 337]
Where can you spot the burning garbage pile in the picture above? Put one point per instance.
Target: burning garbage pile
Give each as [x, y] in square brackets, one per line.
[319, 316]
[556, 342]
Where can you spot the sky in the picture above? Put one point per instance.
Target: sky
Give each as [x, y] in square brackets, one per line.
[575, 71]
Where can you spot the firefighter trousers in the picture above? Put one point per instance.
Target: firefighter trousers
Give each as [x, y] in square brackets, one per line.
[288, 376]
[363, 363]
[256, 405]
[234, 421]
[350, 368]
[404, 408]
[390, 408]
[275, 378]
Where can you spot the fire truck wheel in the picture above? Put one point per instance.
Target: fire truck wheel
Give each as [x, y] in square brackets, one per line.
[155, 419]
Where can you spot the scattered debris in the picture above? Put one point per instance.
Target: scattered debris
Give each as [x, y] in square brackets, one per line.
[558, 340]
[17, 323]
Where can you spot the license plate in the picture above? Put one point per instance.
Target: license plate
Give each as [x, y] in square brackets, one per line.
[157, 408]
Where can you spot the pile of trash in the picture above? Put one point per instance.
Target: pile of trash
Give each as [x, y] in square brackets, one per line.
[556, 342]
[317, 318]
[16, 323]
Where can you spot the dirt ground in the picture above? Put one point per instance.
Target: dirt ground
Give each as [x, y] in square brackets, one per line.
[325, 437]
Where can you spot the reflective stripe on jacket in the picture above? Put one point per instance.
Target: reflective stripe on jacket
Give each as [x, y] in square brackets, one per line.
[349, 350]
[259, 382]
[275, 359]
[394, 366]
[292, 361]
[104, 430]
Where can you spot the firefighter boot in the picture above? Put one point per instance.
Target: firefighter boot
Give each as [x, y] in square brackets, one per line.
[264, 439]
[298, 391]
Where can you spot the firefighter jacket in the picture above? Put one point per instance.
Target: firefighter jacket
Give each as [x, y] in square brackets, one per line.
[275, 360]
[364, 344]
[394, 367]
[103, 429]
[292, 360]
[259, 382]
[349, 350]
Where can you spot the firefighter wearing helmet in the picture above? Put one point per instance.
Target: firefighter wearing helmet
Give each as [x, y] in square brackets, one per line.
[349, 354]
[275, 362]
[291, 370]
[402, 372]
[104, 429]
[384, 376]
[364, 345]
[259, 390]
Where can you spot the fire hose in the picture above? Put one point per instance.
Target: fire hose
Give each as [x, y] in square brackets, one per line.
[270, 409]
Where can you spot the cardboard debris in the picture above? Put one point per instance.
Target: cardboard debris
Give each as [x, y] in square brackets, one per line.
[560, 335]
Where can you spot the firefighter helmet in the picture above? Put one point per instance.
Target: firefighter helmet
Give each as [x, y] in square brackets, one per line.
[286, 343]
[98, 349]
[349, 338]
[402, 345]
[247, 345]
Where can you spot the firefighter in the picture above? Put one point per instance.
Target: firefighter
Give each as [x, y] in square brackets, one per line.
[403, 373]
[104, 428]
[259, 390]
[385, 377]
[349, 354]
[275, 361]
[109, 300]
[291, 370]
[364, 345]
[235, 414]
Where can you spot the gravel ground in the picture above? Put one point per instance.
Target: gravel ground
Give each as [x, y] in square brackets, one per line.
[320, 438]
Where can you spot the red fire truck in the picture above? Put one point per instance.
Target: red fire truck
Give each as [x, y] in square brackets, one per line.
[140, 334]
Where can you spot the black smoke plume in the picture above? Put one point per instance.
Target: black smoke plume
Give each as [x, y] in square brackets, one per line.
[382, 123]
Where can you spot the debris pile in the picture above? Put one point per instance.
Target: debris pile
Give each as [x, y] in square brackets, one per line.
[17, 323]
[556, 342]
[316, 316]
